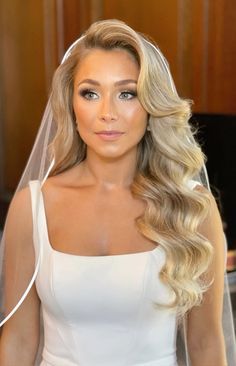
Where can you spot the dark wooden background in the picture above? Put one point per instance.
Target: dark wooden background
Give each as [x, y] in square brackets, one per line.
[196, 36]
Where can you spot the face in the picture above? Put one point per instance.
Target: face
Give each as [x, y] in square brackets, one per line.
[110, 119]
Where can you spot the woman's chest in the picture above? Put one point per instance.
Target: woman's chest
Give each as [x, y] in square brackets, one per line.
[97, 226]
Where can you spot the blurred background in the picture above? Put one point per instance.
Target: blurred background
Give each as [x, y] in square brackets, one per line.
[196, 36]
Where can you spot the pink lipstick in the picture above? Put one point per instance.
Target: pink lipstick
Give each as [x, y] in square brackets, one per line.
[109, 135]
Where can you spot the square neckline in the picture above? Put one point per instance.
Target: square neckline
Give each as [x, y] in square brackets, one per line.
[58, 252]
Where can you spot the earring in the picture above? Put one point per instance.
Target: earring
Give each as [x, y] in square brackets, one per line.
[148, 128]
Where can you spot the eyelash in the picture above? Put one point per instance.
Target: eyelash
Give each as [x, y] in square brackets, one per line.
[131, 93]
[86, 92]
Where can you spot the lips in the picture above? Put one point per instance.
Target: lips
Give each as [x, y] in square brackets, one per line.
[109, 135]
[112, 132]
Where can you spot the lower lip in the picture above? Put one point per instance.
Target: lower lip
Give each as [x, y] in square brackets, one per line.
[110, 136]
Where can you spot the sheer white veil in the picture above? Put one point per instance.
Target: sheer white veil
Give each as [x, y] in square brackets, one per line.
[39, 166]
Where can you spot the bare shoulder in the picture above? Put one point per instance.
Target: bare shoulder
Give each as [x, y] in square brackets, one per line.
[19, 217]
[68, 178]
[21, 202]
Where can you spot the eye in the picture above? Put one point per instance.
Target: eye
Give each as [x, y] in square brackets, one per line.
[127, 94]
[88, 94]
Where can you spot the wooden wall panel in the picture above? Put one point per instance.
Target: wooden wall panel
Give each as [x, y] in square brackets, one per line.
[196, 36]
[33, 38]
[159, 19]
[198, 49]
[22, 82]
[78, 15]
[214, 56]
[221, 92]
[51, 28]
[198, 39]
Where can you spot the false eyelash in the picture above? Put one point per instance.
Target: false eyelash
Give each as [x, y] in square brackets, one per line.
[85, 92]
[131, 92]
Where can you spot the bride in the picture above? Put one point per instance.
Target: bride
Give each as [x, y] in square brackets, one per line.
[114, 237]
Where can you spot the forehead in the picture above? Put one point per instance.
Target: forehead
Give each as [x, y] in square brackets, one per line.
[114, 61]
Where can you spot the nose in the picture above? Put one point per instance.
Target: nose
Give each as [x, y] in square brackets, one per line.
[108, 110]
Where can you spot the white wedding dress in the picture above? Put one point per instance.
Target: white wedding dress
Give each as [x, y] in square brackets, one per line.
[102, 310]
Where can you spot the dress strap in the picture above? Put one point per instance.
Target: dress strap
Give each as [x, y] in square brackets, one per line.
[193, 184]
[40, 230]
[34, 193]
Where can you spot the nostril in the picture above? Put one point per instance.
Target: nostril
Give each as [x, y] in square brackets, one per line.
[108, 117]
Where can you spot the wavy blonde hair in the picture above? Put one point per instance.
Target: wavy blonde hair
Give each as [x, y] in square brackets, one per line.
[168, 157]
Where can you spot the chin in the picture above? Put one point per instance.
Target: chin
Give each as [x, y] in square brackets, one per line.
[112, 154]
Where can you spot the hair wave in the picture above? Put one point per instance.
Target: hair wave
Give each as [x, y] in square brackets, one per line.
[168, 157]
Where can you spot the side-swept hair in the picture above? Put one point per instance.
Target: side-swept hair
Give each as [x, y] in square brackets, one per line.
[168, 157]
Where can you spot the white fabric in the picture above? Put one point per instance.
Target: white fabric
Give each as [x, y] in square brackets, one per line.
[100, 310]
[192, 184]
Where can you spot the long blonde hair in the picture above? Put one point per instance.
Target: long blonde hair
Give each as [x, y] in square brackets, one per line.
[168, 157]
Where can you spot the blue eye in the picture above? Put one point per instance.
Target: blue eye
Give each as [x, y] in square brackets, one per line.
[88, 94]
[126, 95]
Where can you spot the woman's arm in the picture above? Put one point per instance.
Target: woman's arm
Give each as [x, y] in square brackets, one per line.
[20, 336]
[204, 332]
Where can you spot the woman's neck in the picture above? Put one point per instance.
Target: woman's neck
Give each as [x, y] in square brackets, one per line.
[110, 173]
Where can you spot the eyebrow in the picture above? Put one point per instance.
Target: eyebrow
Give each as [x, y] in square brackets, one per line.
[117, 83]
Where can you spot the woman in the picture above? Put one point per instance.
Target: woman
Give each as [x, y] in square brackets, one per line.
[125, 242]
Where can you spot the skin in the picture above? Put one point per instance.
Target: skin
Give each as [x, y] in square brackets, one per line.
[99, 188]
[96, 194]
[105, 99]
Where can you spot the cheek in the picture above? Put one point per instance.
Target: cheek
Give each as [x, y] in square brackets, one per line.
[80, 112]
[85, 117]
[138, 116]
